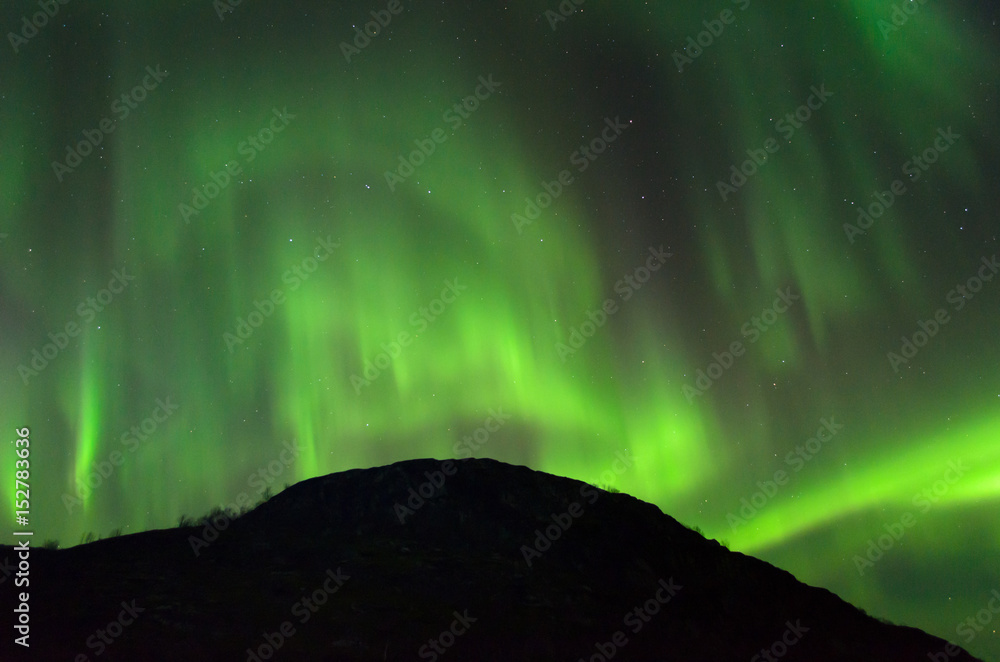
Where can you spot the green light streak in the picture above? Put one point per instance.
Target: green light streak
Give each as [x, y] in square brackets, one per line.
[88, 414]
[884, 479]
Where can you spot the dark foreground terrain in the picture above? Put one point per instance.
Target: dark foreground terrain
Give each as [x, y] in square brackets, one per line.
[326, 571]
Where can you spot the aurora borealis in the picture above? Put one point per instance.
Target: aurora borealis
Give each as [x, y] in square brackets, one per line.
[233, 229]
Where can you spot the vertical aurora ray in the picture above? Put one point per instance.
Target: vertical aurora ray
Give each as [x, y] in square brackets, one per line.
[495, 345]
[88, 414]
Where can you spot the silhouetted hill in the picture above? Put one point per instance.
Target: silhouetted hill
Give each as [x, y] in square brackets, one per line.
[326, 571]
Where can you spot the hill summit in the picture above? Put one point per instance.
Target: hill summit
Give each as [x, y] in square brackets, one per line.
[441, 560]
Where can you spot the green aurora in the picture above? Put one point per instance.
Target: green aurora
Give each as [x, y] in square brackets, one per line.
[304, 236]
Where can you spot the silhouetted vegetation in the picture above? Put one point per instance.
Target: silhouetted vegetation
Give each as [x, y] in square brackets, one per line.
[593, 577]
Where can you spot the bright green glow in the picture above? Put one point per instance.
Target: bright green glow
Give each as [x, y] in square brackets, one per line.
[88, 414]
[794, 206]
[887, 479]
[494, 347]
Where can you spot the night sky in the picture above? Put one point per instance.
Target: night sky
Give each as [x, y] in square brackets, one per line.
[244, 245]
